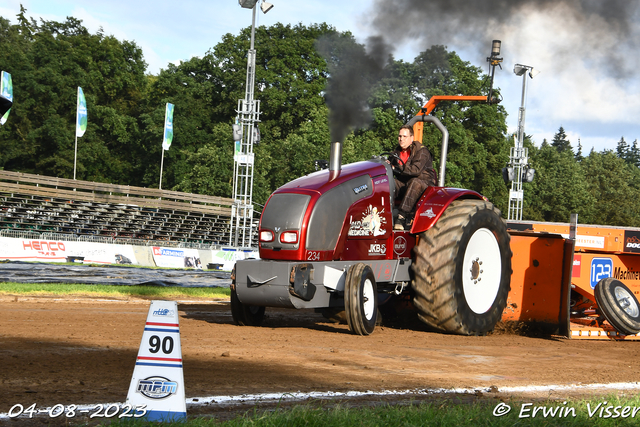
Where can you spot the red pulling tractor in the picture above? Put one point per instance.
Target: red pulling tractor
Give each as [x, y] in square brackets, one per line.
[327, 242]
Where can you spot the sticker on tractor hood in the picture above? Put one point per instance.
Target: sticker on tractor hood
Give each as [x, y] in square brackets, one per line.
[370, 225]
[360, 189]
[380, 181]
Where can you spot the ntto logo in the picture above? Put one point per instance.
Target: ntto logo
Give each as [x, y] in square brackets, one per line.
[163, 312]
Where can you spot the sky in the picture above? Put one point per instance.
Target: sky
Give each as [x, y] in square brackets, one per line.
[586, 53]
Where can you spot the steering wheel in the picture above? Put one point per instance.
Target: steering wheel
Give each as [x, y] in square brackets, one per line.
[395, 156]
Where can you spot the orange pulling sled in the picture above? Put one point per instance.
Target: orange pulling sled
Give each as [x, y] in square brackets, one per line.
[585, 283]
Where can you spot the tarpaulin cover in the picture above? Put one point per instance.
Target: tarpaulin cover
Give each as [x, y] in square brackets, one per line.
[30, 272]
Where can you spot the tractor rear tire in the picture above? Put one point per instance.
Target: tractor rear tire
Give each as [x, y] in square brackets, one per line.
[618, 305]
[361, 299]
[462, 269]
[243, 314]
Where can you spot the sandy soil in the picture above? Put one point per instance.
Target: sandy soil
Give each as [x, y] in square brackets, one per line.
[81, 351]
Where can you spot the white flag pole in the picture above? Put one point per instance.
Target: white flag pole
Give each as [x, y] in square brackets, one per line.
[75, 151]
[75, 157]
[161, 163]
[167, 135]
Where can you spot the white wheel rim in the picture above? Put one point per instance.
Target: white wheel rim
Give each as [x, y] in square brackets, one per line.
[481, 271]
[626, 301]
[368, 299]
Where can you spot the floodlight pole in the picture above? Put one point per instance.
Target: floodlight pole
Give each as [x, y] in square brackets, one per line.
[518, 157]
[241, 230]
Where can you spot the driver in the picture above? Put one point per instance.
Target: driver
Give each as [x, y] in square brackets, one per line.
[412, 175]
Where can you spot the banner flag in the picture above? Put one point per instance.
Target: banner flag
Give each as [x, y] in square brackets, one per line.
[6, 90]
[81, 115]
[168, 127]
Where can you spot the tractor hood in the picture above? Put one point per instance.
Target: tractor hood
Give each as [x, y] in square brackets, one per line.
[308, 214]
[324, 180]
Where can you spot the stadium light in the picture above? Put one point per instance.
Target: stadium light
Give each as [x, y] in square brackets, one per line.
[266, 7]
[520, 70]
[248, 4]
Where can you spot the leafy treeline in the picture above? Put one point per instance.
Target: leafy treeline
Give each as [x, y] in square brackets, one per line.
[602, 187]
[49, 60]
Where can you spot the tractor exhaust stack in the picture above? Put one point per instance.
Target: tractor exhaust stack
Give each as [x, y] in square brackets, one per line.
[335, 158]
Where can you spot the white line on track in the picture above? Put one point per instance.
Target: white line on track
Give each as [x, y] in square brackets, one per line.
[244, 399]
[297, 396]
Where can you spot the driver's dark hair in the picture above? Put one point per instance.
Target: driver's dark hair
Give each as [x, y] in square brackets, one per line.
[408, 127]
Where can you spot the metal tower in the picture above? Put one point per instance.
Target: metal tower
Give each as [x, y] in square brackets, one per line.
[518, 167]
[245, 135]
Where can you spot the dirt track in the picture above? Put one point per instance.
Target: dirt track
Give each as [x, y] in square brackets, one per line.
[83, 351]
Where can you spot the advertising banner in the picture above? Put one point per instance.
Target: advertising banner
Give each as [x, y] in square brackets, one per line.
[6, 90]
[168, 127]
[60, 251]
[81, 114]
[228, 257]
[176, 257]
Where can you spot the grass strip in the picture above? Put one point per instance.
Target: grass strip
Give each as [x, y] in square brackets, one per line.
[71, 289]
[598, 412]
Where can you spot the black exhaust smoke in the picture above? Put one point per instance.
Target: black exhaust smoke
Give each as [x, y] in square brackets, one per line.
[599, 33]
[352, 73]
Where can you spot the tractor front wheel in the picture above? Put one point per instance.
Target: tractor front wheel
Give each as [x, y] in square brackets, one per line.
[361, 299]
[462, 269]
[243, 314]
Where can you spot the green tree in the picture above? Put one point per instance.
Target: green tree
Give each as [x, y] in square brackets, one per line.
[579, 155]
[560, 141]
[48, 61]
[615, 185]
[211, 165]
[634, 154]
[290, 79]
[622, 149]
[559, 188]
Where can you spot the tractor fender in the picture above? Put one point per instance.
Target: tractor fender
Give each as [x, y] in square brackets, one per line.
[433, 203]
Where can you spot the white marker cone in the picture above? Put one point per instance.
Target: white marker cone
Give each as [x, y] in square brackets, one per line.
[158, 381]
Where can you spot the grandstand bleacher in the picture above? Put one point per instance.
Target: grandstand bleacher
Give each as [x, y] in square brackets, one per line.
[33, 205]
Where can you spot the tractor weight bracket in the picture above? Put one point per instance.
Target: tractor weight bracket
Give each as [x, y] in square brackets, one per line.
[300, 282]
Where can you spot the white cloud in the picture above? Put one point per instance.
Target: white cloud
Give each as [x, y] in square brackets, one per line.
[578, 85]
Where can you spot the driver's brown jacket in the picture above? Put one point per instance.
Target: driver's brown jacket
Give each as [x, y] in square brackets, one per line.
[419, 165]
